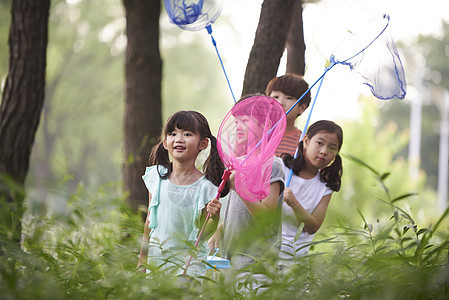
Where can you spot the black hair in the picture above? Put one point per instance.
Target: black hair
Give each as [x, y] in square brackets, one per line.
[213, 167]
[331, 174]
[292, 85]
[258, 112]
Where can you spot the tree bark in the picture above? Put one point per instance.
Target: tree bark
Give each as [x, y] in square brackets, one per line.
[143, 112]
[23, 99]
[296, 46]
[269, 44]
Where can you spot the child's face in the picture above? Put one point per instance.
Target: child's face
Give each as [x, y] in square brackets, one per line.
[248, 131]
[321, 149]
[183, 144]
[287, 101]
[242, 125]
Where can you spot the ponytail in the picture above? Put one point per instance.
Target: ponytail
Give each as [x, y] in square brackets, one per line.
[296, 164]
[159, 156]
[332, 174]
[213, 167]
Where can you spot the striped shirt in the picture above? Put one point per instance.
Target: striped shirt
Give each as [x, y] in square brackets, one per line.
[289, 142]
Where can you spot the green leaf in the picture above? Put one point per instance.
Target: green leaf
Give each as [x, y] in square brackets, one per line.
[403, 197]
[385, 176]
[421, 231]
[405, 229]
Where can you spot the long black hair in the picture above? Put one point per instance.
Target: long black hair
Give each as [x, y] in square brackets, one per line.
[190, 120]
[331, 174]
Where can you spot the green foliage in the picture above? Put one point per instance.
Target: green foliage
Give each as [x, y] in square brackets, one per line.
[79, 138]
[436, 53]
[398, 113]
[428, 58]
[380, 145]
[389, 258]
[90, 250]
[5, 19]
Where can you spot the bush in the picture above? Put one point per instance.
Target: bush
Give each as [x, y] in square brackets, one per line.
[91, 251]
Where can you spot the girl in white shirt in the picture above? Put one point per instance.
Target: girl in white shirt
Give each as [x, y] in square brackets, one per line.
[317, 172]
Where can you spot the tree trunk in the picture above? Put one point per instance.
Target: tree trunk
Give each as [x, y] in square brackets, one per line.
[23, 99]
[269, 44]
[143, 68]
[296, 46]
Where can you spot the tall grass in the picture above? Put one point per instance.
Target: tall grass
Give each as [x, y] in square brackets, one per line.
[91, 252]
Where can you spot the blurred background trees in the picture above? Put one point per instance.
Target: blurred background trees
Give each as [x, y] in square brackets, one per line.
[79, 140]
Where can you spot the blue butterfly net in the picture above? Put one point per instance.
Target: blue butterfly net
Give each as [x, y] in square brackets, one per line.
[371, 53]
[193, 14]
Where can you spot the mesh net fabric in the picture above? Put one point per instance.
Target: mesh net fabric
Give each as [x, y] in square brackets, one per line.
[191, 14]
[371, 53]
[247, 139]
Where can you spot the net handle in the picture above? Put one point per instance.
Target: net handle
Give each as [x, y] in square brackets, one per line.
[226, 174]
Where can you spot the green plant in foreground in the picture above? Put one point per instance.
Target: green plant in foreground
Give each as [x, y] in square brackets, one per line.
[391, 258]
[91, 251]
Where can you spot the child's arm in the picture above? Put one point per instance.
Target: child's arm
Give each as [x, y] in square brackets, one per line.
[260, 210]
[215, 240]
[267, 206]
[213, 208]
[312, 222]
[145, 239]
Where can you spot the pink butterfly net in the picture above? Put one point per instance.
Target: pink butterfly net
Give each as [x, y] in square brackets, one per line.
[247, 139]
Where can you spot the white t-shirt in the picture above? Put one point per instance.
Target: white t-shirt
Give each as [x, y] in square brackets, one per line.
[309, 193]
[243, 238]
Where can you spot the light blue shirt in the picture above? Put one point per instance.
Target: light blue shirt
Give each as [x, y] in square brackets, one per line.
[175, 212]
